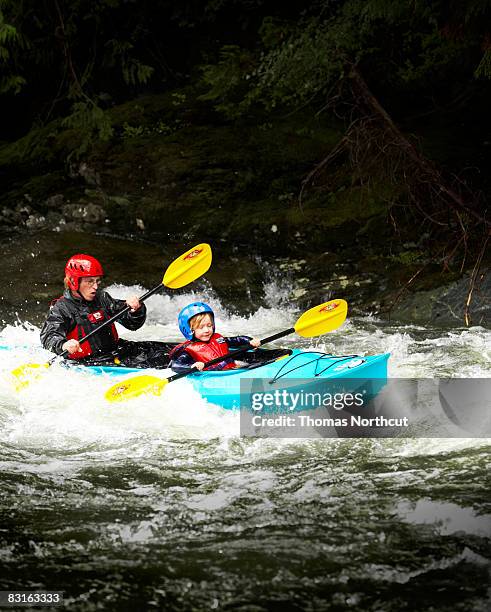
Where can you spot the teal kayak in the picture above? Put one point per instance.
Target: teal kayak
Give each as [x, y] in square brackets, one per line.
[278, 370]
[268, 370]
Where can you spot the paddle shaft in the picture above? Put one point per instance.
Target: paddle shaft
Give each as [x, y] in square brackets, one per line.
[109, 321]
[240, 351]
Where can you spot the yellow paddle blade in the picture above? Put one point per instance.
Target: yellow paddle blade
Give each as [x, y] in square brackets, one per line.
[27, 373]
[133, 387]
[322, 319]
[188, 267]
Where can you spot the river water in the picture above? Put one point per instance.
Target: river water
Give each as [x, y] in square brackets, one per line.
[160, 504]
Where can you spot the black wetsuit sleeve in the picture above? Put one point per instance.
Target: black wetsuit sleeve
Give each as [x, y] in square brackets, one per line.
[235, 342]
[181, 361]
[130, 320]
[56, 327]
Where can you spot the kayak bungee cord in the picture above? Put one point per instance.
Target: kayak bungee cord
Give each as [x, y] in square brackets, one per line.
[339, 358]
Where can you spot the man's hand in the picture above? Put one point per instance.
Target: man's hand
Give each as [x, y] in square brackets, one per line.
[133, 302]
[72, 346]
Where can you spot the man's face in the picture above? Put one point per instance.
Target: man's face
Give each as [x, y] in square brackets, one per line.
[87, 287]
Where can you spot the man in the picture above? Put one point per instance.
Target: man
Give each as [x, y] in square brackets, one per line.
[83, 307]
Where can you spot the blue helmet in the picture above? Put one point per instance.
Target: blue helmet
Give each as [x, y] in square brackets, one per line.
[187, 313]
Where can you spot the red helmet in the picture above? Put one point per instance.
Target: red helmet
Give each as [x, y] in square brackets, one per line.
[79, 266]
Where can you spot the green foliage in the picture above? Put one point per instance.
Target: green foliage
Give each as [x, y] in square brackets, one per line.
[90, 121]
[72, 46]
[130, 131]
[36, 145]
[436, 54]
[165, 129]
[296, 57]
[226, 81]
[11, 83]
[298, 63]
[403, 44]
[134, 72]
[407, 258]
[7, 32]
[301, 68]
[484, 69]
[178, 98]
[274, 32]
[10, 42]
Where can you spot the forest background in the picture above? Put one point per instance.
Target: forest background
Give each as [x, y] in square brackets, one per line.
[349, 139]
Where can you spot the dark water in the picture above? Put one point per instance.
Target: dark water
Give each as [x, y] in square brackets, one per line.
[187, 524]
[159, 504]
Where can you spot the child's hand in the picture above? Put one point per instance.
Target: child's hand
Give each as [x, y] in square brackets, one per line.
[199, 365]
[255, 342]
[133, 302]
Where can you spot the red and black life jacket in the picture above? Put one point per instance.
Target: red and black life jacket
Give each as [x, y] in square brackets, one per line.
[84, 324]
[206, 351]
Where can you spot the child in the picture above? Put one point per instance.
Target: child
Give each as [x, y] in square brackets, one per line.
[83, 307]
[197, 324]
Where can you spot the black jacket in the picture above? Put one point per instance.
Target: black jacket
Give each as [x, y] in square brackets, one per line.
[69, 311]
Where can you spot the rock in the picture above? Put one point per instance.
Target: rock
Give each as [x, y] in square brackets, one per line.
[119, 200]
[69, 226]
[11, 217]
[85, 213]
[446, 305]
[53, 218]
[55, 201]
[292, 265]
[35, 221]
[298, 293]
[90, 175]
[24, 211]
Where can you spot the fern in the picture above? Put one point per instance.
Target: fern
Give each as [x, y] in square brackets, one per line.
[90, 122]
[134, 72]
[227, 81]
[10, 40]
[8, 33]
[12, 83]
[483, 70]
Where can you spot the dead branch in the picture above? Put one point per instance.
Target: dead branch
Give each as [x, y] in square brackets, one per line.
[472, 283]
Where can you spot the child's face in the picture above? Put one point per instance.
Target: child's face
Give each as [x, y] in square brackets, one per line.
[204, 329]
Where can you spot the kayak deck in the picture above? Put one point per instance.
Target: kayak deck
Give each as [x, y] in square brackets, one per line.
[298, 371]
